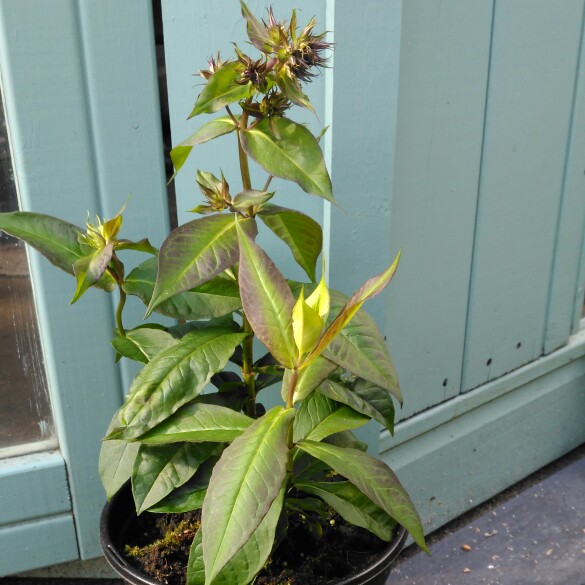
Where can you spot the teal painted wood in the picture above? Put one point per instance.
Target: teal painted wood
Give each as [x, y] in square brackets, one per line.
[362, 114]
[36, 544]
[124, 110]
[464, 403]
[192, 32]
[33, 486]
[530, 94]
[360, 149]
[66, 165]
[456, 466]
[443, 77]
[566, 290]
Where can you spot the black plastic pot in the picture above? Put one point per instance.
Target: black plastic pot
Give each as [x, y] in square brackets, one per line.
[118, 514]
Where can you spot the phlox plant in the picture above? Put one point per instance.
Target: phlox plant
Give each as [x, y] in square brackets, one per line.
[247, 469]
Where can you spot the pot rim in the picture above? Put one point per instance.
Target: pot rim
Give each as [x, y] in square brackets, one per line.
[122, 500]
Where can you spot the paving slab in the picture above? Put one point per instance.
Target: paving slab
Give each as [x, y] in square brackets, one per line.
[528, 536]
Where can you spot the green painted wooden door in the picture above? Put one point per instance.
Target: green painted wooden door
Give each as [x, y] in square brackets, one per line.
[80, 87]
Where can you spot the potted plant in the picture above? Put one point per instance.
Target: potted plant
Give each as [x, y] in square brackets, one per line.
[250, 478]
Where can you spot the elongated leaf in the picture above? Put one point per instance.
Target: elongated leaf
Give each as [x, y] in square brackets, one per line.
[210, 130]
[310, 413]
[375, 479]
[368, 399]
[352, 505]
[294, 155]
[248, 560]
[346, 440]
[299, 232]
[159, 469]
[90, 269]
[256, 31]
[198, 423]
[307, 325]
[116, 461]
[221, 90]
[215, 298]
[267, 300]
[175, 376]
[361, 349]
[55, 239]
[141, 246]
[293, 91]
[243, 486]
[309, 378]
[369, 289]
[191, 494]
[143, 343]
[318, 417]
[250, 197]
[195, 252]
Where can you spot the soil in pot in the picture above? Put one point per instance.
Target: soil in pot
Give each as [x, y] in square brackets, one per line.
[315, 551]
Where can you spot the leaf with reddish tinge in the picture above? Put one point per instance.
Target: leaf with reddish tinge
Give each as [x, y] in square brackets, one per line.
[195, 252]
[267, 300]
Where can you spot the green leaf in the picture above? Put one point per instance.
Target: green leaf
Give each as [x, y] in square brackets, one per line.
[256, 31]
[243, 486]
[309, 378]
[90, 269]
[197, 423]
[294, 155]
[116, 461]
[191, 494]
[143, 343]
[250, 197]
[361, 349]
[215, 298]
[370, 400]
[248, 561]
[352, 505]
[375, 479]
[369, 289]
[346, 440]
[140, 246]
[221, 90]
[307, 325]
[267, 300]
[176, 376]
[159, 469]
[318, 417]
[299, 232]
[55, 239]
[195, 252]
[293, 91]
[209, 131]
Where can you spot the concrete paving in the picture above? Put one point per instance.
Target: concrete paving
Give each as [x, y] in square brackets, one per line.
[531, 534]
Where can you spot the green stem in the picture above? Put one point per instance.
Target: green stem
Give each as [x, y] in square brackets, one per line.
[244, 167]
[119, 309]
[247, 365]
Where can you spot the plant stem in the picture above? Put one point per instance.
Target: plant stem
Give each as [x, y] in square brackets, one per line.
[244, 167]
[267, 184]
[118, 274]
[248, 344]
[247, 364]
[291, 387]
[119, 309]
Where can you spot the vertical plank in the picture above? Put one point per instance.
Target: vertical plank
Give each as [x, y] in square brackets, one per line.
[444, 63]
[534, 58]
[193, 32]
[565, 282]
[361, 108]
[73, 153]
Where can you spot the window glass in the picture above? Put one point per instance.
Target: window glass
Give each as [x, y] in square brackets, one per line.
[25, 414]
